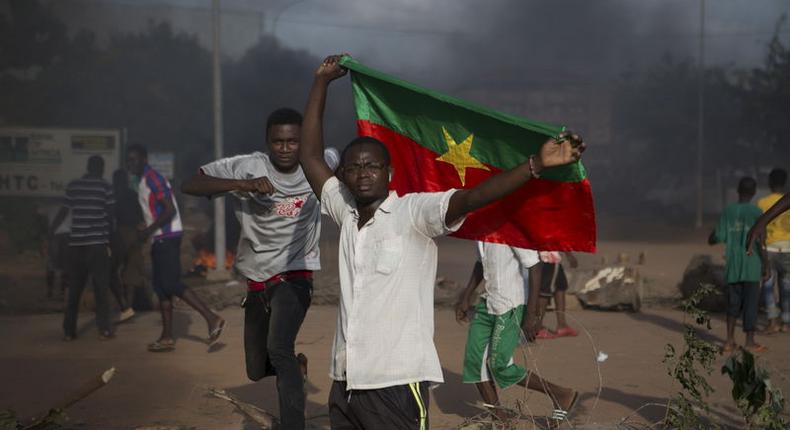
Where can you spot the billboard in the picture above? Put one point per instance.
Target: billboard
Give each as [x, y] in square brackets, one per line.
[39, 162]
[164, 163]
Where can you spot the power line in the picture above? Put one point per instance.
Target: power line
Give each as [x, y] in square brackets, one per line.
[386, 28]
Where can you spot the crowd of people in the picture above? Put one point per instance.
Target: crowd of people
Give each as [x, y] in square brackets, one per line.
[748, 274]
[383, 358]
[107, 226]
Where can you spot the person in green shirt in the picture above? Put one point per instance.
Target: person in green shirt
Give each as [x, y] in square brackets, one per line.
[743, 272]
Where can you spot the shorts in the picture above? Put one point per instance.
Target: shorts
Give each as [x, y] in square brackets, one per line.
[547, 275]
[742, 301]
[398, 407]
[490, 345]
[166, 267]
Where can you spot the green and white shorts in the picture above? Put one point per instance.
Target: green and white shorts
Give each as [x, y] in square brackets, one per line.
[490, 345]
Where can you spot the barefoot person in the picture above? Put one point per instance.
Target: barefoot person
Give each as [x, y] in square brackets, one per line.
[743, 272]
[280, 221]
[163, 225]
[495, 328]
[384, 358]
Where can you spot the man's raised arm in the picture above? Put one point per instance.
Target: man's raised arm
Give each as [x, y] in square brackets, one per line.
[554, 152]
[311, 149]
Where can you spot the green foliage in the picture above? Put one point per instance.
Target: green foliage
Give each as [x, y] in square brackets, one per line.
[765, 92]
[756, 398]
[31, 36]
[8, 420]
[690, 369]
[156, 83]
[656, 112]
[54, 420]
[759, 402]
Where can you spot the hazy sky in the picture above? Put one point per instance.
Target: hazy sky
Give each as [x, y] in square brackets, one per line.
[438, 39]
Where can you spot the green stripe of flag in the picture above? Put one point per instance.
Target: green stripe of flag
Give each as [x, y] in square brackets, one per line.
[500, 140]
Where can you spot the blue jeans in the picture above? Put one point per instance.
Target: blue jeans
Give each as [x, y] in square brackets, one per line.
[780, 267]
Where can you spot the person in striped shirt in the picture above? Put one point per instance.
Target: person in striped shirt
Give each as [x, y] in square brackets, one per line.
[90, 200]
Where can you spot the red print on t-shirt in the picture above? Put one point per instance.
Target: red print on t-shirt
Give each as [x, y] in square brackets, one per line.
[289, 207]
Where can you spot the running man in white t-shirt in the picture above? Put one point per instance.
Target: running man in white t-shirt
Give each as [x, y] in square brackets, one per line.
[280, 221]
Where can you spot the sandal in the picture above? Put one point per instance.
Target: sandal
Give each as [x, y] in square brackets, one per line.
[544, 333]
[773, 327]
[213, 334]
[756, 348]
[560, 415]
[728, 348]
[567, 331]
[162, 346]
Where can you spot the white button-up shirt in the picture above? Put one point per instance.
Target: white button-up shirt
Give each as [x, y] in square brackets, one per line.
[384, 334]
[502, 270]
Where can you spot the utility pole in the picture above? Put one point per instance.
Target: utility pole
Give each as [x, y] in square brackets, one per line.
[219, 202]
[700, 111]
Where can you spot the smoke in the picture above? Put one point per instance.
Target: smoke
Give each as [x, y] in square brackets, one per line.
[445, 42]
[591, 65]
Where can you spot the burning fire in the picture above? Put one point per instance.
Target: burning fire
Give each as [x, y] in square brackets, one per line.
[208, 260]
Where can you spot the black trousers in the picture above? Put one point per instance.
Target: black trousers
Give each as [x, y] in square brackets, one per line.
[398, 407]
[272, 319]
[85, 261]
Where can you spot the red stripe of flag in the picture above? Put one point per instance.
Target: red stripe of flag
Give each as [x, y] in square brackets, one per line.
[550, 213]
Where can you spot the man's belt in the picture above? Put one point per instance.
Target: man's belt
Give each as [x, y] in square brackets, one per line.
[279, 278]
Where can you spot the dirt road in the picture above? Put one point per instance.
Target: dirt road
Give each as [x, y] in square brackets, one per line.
[37, 368]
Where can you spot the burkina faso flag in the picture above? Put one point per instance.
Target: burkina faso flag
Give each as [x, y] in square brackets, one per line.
[438, 142]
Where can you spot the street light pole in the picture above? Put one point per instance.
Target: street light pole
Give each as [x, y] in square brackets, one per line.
[219, 203]
[700, 112]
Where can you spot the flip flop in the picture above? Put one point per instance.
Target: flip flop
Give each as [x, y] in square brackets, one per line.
[159, 346]
[567, 331]
[756, 349]
[727, 348]
[774, 326]
[214, 334]
[560, 415]
[544, 333]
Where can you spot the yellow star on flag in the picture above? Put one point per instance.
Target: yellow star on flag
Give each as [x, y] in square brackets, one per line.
[458, 154]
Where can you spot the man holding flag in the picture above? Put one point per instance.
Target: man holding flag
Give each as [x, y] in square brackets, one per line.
[383, 354]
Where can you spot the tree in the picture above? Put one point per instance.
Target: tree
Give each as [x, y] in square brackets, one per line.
[656, 118]
[765, 93]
